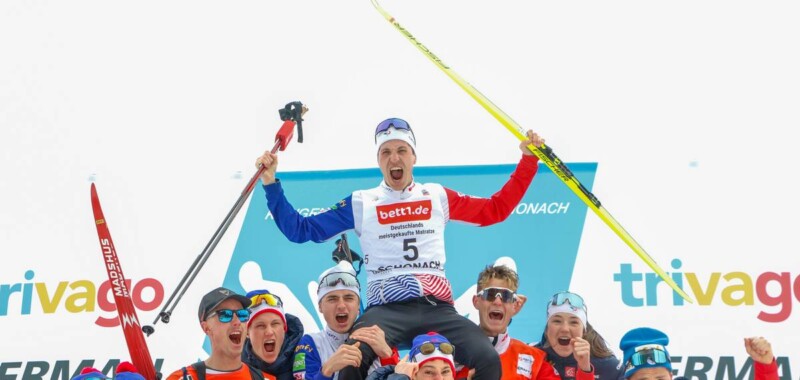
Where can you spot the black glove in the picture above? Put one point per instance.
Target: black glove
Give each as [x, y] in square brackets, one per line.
[340, 253]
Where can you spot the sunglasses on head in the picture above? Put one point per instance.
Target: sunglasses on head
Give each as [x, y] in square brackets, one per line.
[428, 348]
[393, 123]
[268, 298]
[336, 278]
[573, 299]
[226, 315]
[649, 354]
[490, 294]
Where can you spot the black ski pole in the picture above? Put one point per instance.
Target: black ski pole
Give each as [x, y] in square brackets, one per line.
[291, 114]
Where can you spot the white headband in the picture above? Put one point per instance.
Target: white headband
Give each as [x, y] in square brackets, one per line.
[261, 308]
[324, 290]
[435, 355]
[569, 309]
[396, 134]
[343, 267]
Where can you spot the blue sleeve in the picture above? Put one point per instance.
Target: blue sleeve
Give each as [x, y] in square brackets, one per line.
[608, 368]
[307, 363]
[300, 229]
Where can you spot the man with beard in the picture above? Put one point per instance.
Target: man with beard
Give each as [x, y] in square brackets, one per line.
[271, 335]
[223, 315]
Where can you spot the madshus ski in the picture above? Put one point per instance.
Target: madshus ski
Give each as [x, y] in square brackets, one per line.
[544, 153]
[137, 347]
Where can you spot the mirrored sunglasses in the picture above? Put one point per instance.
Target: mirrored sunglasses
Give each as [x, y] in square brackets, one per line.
[269, 298]
[226, 315]
[562, 297]
[337, 278]
[428, 348]
[490, 294]
[395, 123]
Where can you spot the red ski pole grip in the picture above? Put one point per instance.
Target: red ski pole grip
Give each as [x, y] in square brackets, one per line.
[285, 134]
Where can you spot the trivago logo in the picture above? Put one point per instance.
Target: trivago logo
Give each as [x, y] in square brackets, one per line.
[80, 296]
[404, 212]
[773, 289]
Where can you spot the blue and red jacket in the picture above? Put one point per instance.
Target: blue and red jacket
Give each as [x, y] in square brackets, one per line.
[401, 232]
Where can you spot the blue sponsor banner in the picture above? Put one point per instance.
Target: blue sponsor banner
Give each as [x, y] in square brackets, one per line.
[542, 235]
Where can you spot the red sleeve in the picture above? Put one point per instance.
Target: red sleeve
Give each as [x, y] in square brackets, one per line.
[766, 371]
[546, 372]
[392, 360]
[488, 211]
[462, 374]
[581, 375]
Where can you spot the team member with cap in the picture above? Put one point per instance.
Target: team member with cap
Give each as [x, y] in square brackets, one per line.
[400, 225]
[572, 344]
[645, 356]
[430, 357]
[497, 301]
[322, 354]
[272, 335]
[222, 314]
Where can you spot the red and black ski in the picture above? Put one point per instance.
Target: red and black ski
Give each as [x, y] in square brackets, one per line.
[137, 347]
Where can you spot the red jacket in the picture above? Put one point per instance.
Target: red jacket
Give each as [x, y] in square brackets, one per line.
[521, 361]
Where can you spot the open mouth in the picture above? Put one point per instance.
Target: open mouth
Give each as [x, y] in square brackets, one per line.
[564, 341]
[341, 318]
[396, 173]
[495, 315]
[269, 345]
[235, 337]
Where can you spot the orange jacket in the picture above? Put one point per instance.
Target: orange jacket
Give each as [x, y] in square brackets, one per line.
[242, 373]
[521, 361]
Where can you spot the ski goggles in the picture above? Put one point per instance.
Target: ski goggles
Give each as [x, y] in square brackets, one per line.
[428, 348]
[573, 299]
[267, 297]
[337, 278]
[490, 294]
[649, 354]
[226, 315]
[395, 123]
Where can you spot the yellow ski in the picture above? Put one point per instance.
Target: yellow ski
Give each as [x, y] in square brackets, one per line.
[544, 153]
